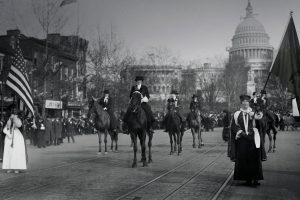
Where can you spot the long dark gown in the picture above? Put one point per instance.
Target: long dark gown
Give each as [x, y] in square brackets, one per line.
[247, 157]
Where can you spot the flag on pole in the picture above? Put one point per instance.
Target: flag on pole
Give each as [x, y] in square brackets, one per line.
[17, 78]
[286, 65]
[66, 2]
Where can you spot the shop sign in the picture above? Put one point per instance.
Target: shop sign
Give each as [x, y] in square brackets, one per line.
[50, 104]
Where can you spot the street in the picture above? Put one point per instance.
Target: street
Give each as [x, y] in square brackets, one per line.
[75, 171]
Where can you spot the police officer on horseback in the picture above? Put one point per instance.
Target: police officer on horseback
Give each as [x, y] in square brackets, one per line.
[106, 103]
[145, 99]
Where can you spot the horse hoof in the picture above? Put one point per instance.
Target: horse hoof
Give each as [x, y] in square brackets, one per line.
[171, 152]
[145, 164]
[134, 165]
[150, 161]
[116, 151]
[194, 146]
[202, 144]
[99, 153]
[105, 152]
[199, 147]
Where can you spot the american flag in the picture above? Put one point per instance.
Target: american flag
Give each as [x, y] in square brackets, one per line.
[17, 78]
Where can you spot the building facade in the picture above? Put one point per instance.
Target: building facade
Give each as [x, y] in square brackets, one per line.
[250, 43]
[55, 67]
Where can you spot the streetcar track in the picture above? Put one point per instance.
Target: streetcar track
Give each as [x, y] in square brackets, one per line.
[164, 174]
[192, 177]
[76, 163]
[220, 190]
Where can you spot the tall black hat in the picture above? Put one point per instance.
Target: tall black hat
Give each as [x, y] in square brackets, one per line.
[194, 96]
[263, 92]
[245, 97]
[254, 93]
[106, 91]
[174, 92]
[139, 78]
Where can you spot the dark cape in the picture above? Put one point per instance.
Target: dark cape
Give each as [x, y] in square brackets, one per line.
[243, 152]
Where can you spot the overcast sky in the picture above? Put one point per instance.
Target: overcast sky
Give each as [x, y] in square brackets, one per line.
[195, 29]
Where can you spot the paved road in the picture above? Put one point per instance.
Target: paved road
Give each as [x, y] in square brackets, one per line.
[75, 171]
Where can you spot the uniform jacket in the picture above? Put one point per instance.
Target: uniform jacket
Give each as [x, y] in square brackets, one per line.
[195, 105]
[143, 90]
[174, 101]
[106, 104]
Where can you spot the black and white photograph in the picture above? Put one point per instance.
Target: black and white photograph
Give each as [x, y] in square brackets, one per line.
[149, 99]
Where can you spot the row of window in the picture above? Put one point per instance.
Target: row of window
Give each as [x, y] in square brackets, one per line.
[249, 40]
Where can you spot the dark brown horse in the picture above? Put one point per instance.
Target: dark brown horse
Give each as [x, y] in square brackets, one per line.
[137, 127]
[102, 124]
[174, 129]
[196, 126]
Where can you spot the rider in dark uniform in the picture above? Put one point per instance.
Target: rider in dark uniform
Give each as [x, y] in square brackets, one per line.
[145, 93]
[174, 100]
[264, 103]
[194, 106]
[253, 100]
[106, 103]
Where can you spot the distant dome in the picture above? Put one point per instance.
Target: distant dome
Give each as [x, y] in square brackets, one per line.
[248, 25]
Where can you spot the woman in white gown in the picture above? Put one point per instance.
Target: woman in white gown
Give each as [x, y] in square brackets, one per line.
[14, 156]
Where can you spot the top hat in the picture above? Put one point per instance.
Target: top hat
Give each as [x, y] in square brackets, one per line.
[174, 92]
[139, 78]
[194, 96]
[245, 97]
[106, 91]
[263, 92]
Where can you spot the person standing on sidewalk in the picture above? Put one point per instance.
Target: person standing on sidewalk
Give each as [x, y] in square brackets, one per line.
[14, 156]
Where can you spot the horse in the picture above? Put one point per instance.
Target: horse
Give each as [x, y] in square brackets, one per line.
[196, 126]
[270, 125]
[102, 125]
[174, 129]
[138, 127]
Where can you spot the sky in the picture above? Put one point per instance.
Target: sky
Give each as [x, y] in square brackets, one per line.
[193, 29]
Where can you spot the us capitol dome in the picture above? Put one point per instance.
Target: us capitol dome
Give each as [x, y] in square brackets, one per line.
[251, 44]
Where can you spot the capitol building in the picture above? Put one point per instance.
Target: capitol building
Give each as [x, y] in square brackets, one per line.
[250, 47]
[250, 43]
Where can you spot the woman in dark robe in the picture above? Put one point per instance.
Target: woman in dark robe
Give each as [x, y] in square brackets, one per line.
[246, 144]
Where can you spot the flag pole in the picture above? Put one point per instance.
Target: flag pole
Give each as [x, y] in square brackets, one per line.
[269, 74]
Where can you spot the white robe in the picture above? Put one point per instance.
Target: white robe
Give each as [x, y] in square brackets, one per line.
[14, 157]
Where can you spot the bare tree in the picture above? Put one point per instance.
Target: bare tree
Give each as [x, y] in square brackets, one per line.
[234, 81]
[52, 19]
[108, 57]
[159, 56]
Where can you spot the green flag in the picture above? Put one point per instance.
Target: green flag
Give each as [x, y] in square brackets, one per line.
[286, 65]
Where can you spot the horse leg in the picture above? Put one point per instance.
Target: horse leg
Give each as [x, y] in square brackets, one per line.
[116, 141]
[274, 141]
[175, 141]
[199, 138]
[178, 143]
[105, 140]
[171, 142]
[150, 136]
[142, 137]
[270, 141]
[134, 141]
[193, 134]
[99, 138]
[112, 141]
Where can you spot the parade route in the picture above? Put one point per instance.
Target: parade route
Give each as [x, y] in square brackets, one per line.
[75, 171]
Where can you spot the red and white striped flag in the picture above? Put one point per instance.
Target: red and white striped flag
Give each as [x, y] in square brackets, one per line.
[17, 78]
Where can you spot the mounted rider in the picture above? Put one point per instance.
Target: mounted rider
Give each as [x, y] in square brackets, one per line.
[264, 104]
[106, 102]
[145, 99]
[194, 107]
[174, 101]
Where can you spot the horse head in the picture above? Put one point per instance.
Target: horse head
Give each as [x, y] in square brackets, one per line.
[135, 102]
[92, 108]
